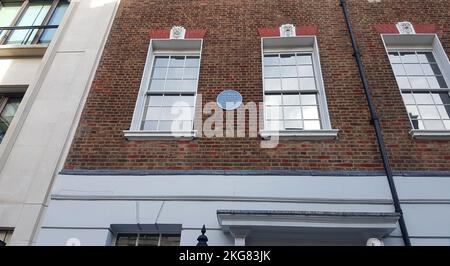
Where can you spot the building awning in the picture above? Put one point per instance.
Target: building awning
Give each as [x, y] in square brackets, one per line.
[317, 227]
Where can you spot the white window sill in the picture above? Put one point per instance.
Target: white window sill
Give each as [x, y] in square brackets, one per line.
[430, 134]
[323, 134]
[159, 135]
[23, 50]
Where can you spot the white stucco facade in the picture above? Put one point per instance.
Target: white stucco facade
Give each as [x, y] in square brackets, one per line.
[39, 136]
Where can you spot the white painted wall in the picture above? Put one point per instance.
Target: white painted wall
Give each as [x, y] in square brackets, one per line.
[35, 146]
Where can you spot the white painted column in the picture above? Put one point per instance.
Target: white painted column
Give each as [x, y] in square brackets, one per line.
[239, 236]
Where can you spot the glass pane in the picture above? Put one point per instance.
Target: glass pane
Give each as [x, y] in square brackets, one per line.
[394, 58]
[273, 113]
[7, 114]
[175, 73]
[55, 19]
[310, 112]
[8, 12]
[190, 73]
[431, 69]
[272, 84]
[34, 15]
[169, 240]
[426, 57]
[287, 59]
[447, 124]
[165, 125]
[193, 61]
[274, 125]
[157, 85]
[273, 99]
[444, 111]
[307, 84]
[150, 125]
[398, 69]
[291, 99]
[408, 98]
[126, 240]
[159, 73]
[271, 60]
[403, 83]
[441, 98]
[176, 61]
[413, 69]
[304, 59]
[423, 98]
[428, 112]
[290, 84]
[174, 85]
[148, 240]
[293, 124]
[153, 113]
[190, 85]
[418, 82]
[181, 113]
[409, 57]
[312, 124]
[305, 71]
[272, 72]
[292, 112]
[155, 100]
[289, 71]
[433, 124]
[161, 61]
[308, 99]
[412, 111]
[179, 101]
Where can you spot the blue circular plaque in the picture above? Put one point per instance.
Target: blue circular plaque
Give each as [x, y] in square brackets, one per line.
[229, 99]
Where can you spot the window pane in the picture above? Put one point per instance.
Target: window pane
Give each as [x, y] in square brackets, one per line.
[150, 125]
[174, 85]
[447, 124]
[161, 61]
[155, 100]
[190, 73]
[8, 12]
[175, 73]
[273, 113]
[293, 124]
[271, 60]
[412, 111]
[157, 85]
[426, 57]
[153, 113]
[58, 14]
[418, 82]
[423, 98]
[441, 98]
[193, 61]
[34, 15]
[444, 111]
[409, 57]
[272, 84]
[289, 71]
[290, 84]
[159, 73]
[413, 69]
[308, 99]
[403, 83]
[434, 124]
[428, 112]
[312, 124]
[272, 72]
[126, 240]
[408, 98]
[305, 71]
[307, 84]
[287, 59]
[310, 112]
[273, 99]
[394, 58]
[168, 240]
[274, 125]
[293, 112]
[148, 240]
[304, 59]
[291, 99]
[190, 85]
[8, 113]
[437, 82]
[431, 69]
[176, 61]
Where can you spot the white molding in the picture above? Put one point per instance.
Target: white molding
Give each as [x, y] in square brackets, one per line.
[287, 30]
[301, 134]
[405, 27]
[30, 50]
[177, 33]
[152, 135]
[430, 134]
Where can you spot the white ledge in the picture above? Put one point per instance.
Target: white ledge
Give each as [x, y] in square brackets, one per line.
[157, 135]
[430, 134]
[301, 134]
[23, 50]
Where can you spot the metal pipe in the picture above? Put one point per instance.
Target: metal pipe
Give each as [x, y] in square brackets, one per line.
[376, 122]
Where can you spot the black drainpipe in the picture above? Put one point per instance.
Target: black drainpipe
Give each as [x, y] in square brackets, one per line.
[376, 122]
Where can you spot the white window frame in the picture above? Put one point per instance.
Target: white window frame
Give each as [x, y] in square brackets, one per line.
[299, 44]
[160, 47]
[421, 43]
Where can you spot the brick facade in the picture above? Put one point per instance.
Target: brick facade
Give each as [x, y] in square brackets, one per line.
[231, 58]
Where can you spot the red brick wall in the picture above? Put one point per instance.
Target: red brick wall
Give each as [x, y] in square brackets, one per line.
[232, 58]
